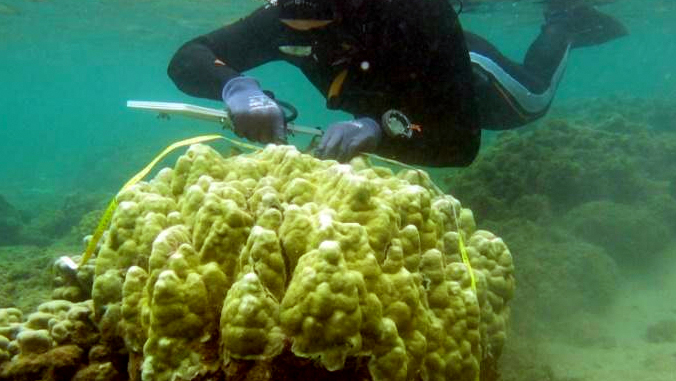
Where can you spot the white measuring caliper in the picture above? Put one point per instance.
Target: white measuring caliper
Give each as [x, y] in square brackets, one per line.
[393, 122]
[166, 109]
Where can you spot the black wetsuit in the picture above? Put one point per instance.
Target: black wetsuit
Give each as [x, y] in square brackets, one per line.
[405, 57]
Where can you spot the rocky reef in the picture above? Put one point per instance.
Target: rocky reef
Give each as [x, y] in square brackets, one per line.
[43, 223]
[11, 221]
[25, 277]
[274, 265]
[603, 174]
[586, 199]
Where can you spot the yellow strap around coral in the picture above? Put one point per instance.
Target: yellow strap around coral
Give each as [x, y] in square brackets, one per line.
[98, 233]
[108, 214]
[137, 177]
[403, 165]
[465, 260]
[461, 240]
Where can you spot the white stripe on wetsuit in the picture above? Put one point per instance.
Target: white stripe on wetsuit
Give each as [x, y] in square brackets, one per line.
[529, 101]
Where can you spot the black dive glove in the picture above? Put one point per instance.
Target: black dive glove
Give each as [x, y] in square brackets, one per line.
[343, 140]
[254, 115]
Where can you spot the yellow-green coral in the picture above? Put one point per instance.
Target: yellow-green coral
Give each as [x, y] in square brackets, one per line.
[56, 323]
[220, 259]
[320, 310]
[250, 321]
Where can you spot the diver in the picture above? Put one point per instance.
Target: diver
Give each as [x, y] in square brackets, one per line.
[419, 87]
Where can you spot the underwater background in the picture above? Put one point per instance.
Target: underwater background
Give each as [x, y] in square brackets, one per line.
[585, 199]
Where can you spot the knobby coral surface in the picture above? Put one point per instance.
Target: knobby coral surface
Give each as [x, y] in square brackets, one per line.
[219, 262]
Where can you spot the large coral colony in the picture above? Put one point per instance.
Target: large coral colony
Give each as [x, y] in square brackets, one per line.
[220, 266]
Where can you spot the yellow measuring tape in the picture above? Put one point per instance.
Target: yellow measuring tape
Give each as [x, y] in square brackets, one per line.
[461, 240]
[463, 253]
[108, 214]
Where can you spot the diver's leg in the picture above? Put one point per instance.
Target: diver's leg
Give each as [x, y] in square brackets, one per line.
[568, 24]
[548, 53]
[508, 94]
[511, 95]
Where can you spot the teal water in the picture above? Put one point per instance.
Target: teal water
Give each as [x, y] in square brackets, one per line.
[67, 68]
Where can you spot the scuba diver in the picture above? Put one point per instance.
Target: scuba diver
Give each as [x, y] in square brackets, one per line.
[419, 87]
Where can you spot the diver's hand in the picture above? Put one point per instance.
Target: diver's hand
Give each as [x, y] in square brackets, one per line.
[343, 140]
[254, 115]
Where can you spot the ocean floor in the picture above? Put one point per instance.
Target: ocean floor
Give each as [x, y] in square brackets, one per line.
[26, 276]
[634, 340]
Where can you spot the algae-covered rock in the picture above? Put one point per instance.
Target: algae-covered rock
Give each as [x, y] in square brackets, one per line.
[663, 331]
[62, 362]
[49, 344]
[253, 257]
[626, 232]
[11, 222]
[25, 278]
[562, 164]
[606, 176]
[66, 221]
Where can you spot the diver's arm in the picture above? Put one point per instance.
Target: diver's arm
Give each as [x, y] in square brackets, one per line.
[450, 133]
[458, 148]
[202, 66]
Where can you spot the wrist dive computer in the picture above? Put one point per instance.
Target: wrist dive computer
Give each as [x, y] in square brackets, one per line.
[396, 125]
